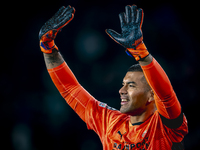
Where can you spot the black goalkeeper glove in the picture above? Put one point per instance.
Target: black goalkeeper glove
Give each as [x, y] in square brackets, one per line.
[131, 36]
[50, 29]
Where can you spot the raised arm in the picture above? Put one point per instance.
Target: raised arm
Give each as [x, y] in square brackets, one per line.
[53, 60]
[132, 39]
[48, 33]
[94, 113]
[65, 81]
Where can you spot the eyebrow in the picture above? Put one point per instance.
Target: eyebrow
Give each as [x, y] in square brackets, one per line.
[131, 82]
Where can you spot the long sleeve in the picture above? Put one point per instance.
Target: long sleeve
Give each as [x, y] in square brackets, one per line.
[95, 114]
[165, 97]
[74, 94]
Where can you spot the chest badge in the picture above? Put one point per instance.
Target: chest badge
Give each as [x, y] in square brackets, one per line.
[120, 134]
[144, 133]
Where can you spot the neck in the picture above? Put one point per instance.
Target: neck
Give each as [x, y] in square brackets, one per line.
[143, 116]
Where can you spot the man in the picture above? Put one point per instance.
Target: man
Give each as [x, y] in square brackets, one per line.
[150, 116]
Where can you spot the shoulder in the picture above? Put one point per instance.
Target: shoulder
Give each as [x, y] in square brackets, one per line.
[101, 110]
[100, 117]
[176, 128]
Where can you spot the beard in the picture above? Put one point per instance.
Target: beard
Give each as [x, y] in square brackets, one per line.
[127, 108]
[130, 109]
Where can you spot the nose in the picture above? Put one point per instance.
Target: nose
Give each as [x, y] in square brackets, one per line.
[123, 90]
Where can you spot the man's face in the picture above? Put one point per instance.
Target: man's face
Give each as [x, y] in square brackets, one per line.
[134, 95]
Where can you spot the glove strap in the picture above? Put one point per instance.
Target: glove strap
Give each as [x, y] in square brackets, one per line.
[47, 43]
[139, 53]
[47, 47]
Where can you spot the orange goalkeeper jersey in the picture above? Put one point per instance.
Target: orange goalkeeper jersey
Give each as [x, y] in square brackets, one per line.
[164, 130]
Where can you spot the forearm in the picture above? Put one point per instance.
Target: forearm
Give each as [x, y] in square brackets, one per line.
[156, 77]
[65, 81]
[53, 60]
[61, 75]
[165, 97]
[146, 61]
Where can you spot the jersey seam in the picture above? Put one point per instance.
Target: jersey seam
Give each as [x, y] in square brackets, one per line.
[66, 89]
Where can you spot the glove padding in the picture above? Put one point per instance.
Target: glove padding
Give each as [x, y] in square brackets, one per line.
[140, 53]
[50, 29]
[131, 33]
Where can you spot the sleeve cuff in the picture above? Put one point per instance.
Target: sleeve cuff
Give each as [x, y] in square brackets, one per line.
[58, 67]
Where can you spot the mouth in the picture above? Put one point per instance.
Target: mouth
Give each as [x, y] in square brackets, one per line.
[124, 101]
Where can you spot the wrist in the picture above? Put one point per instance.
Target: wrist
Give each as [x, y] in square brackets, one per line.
[146, 61]
[48, 46]
[139, 53]
[53, 59]
[47, 43]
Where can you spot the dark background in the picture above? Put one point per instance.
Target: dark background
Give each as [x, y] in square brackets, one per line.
[33, 115]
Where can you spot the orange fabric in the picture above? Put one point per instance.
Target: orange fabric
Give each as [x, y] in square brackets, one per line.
[74, 94]
[165, 97]
[47, 43]
[140, 51]
[116, 132]
[114, 128]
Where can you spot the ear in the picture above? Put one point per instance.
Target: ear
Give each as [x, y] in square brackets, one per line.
[151, 97]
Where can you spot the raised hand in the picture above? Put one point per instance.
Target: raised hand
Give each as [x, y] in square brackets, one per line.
[131, 23]
[50, 29]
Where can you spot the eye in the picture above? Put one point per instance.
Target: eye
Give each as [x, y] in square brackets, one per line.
[131, 85]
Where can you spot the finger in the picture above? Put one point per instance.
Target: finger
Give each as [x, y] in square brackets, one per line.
[122, 19]
[133, 12]
[114, 35]
[65, 14]
[128, 13]
[70, 11]
[68, 14]
[65, 20]
[66, 11]
[55, 16]
[140, 16]
[59, 12]
[68, 7]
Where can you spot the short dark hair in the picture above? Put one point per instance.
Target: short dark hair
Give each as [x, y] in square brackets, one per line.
[135, 67]
[138, 68]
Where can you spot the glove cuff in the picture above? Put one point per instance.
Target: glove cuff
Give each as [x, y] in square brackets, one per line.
[139, 53]
[47, 43]
[47, 47]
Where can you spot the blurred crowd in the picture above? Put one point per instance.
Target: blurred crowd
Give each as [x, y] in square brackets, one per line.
[34, 116]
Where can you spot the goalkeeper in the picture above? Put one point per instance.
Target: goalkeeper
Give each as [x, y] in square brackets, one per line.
[150, 117]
